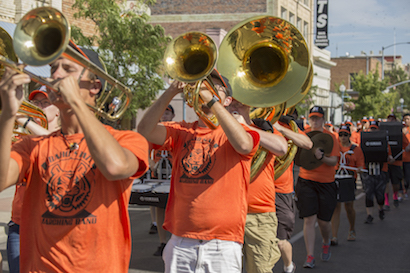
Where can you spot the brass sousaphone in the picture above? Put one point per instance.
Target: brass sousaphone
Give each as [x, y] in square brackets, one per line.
[267, 62]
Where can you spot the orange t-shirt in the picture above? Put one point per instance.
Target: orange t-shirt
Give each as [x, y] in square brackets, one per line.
[156, 155]
[353, 160]
[324, 173]
[73, 218]
[406, 155]
[209, 183]
[261, 192]
[355, 138]
[284, 184]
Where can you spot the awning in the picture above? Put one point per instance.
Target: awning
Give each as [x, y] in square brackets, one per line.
[44, 70]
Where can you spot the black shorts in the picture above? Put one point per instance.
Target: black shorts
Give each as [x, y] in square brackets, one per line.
[346, 188]
[285, 211]
[316, 198]
[395, 174]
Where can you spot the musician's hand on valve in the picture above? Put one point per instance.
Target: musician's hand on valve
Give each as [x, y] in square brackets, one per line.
[69, 90]
[176, 87]
[11, 90]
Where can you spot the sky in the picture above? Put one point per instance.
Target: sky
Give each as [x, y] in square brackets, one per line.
[369, 25]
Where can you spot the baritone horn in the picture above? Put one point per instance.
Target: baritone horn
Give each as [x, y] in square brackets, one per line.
[42, 36]
[191, 58]
[26, 108]
[267, 62]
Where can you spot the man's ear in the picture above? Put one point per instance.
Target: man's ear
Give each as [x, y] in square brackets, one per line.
[228, 101]
[96, 87]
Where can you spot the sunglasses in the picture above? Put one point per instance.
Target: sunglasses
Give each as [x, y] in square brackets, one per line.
[343, 134]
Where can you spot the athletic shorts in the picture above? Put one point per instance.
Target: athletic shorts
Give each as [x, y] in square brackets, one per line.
[346, 188]
[285, 211]
[316, 198]
[395, 174]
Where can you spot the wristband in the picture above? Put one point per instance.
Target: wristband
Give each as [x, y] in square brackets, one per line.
[212, 101]
[27, 121]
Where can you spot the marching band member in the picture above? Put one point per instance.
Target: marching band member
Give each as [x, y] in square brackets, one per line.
[316, 193]
[284, 189]
[351, 156]
[77, 179]
[207, 203]
[260, 248]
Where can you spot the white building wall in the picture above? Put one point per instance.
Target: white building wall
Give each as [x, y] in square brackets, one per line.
[321, 79]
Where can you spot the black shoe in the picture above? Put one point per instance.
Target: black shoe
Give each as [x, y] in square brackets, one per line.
[381, 214]
[160, 250]
[396, 203]
[153, 229]
[369, 219]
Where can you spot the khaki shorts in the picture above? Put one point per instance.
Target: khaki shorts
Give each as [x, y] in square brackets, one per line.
[261, 251]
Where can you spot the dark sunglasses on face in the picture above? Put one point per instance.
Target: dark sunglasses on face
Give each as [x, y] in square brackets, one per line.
[343, 134]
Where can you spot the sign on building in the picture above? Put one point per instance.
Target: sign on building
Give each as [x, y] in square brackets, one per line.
[322, 40]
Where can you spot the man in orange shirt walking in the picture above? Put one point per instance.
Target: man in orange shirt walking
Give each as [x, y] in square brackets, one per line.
[316, 192]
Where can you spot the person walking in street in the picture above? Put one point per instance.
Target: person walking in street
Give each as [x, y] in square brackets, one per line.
[316, 192]
[351, 156]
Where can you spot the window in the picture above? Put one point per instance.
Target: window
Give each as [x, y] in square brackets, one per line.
[306, 2]
[291, 18]
[352, 79]
[306, 31]
[283, 13]
[299, 24]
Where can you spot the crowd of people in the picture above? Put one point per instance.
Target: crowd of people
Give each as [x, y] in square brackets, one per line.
[73, 180]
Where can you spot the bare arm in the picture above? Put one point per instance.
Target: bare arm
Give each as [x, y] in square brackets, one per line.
[11, 96]
[300, 140]
[273, 143]
[149, 125]
[33, 127]
[114, 161]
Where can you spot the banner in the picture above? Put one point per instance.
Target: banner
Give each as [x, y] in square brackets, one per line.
[322, 40]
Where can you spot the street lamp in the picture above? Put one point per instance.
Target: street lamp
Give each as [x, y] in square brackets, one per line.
[342, 89]
[383, 48]
[401, 100]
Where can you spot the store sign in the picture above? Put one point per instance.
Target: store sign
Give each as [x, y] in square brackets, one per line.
[322, 40]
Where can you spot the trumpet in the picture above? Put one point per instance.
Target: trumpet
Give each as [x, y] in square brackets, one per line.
[191, 58]
[26, 108]
[42, 36]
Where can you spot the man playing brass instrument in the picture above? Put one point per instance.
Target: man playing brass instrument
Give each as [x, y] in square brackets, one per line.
[77, 179]
[207, 202]
[261, 249]
[316, 192]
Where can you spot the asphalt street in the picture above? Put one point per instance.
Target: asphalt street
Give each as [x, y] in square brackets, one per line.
[381, 247]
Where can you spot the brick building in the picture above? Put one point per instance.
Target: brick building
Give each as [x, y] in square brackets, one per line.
[348, 67]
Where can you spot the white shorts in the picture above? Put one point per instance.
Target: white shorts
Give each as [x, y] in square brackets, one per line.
[185, 255]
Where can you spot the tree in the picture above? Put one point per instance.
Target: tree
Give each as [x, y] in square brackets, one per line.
[131, 48]
[403, 91]
[372, 101]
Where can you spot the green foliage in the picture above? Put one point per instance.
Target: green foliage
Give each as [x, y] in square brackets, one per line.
[372, 101]
[403, 90]
[131, 48]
